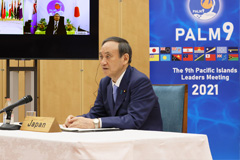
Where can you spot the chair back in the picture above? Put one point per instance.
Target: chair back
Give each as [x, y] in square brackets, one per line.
[173, 105]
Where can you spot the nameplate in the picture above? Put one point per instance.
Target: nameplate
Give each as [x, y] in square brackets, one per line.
[40, 124]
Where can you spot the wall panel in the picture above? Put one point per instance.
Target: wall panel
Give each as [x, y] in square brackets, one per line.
[21, 93]
[2, 85]
[60, 88]
[135, 28]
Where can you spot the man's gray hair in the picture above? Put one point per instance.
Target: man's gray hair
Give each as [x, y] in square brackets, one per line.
[123, 46]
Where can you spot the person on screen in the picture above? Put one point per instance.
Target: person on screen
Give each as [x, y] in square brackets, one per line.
[56, 25]
[125, 97]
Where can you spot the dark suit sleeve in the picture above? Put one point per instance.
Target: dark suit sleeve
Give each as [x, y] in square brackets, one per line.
[98, 109]
[61, 27]
[49, 30]
[142, 100]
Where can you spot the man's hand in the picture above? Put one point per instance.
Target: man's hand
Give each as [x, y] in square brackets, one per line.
[66, 124]
[79, 122]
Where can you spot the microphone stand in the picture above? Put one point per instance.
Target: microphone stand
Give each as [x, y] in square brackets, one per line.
[9, 126]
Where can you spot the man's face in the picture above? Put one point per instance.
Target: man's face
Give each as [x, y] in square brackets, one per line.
[111, 63]
[56, 17]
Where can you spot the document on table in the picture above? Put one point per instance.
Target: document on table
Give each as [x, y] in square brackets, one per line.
[87, 130]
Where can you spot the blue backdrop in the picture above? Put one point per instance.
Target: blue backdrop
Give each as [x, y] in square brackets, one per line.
[196, 42]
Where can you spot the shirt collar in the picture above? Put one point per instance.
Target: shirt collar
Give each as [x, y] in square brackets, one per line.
[119, 80]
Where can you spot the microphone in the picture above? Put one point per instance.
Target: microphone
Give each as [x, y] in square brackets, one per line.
[20, 102]
[9, 110]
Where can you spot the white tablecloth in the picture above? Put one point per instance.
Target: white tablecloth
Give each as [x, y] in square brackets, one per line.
[110, 145]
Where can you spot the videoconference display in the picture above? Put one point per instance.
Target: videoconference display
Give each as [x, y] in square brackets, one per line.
[49, 29]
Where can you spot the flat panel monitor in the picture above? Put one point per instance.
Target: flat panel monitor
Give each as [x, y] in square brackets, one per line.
[49, 29]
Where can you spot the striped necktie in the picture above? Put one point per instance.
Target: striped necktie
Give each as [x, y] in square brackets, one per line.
[114, 92]
[55, 27]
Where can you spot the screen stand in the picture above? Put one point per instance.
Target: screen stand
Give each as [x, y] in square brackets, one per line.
[9, 126]
[29, 73]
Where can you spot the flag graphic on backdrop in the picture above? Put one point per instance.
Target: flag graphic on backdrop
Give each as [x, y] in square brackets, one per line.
[187, 57]
[165, 50]
[154, 57]
[6, 9]
[221, 49]
[198, 57]
[176, 57]
[176, 50]
[10, 10]
[198, 49]
[165, 57]
[232, 49]
[210, 57]
[210, 49]
[233, 57]
[187, 49]
[76, 11]
[154, 50]
[222, 57]
[3, 10]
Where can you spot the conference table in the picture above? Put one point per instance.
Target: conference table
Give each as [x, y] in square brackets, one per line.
[104, 145]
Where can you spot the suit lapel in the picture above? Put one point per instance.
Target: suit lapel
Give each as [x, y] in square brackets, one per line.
[110, 98]
[122, 89]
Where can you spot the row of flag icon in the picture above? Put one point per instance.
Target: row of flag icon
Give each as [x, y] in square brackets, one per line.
[194, 53]
[195, 57]
[178, 50]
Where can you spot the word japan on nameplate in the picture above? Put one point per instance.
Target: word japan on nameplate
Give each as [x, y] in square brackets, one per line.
[40, 124]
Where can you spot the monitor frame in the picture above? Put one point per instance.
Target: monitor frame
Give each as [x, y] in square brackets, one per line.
[59, 47]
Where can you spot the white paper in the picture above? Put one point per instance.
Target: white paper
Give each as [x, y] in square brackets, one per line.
[86, 130]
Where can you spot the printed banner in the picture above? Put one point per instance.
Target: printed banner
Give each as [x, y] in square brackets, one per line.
[197, 43]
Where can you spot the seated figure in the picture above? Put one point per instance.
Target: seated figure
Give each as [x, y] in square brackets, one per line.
[56, 25]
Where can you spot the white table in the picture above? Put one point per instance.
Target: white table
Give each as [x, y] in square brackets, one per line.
[110, 145]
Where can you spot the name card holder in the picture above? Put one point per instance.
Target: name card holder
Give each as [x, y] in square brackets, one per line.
[40, 124]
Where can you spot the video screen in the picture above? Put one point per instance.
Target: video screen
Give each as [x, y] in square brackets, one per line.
[45, 17]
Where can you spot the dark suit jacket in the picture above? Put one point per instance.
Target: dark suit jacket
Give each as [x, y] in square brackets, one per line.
[61, 28]
[136, 106]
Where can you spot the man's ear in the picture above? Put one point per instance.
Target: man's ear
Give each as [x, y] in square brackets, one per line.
[126, 57]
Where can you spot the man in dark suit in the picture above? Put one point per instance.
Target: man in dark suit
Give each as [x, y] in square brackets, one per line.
[56, 25]
[125, 98]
